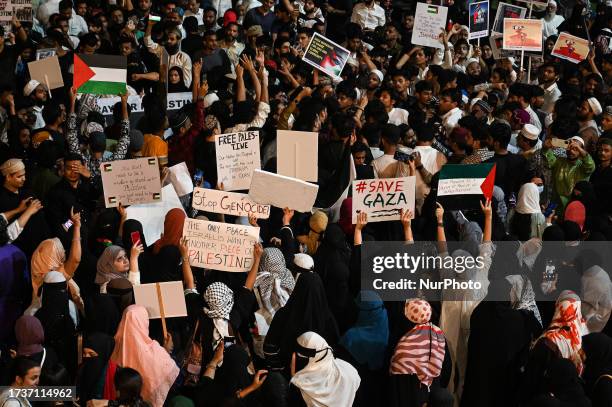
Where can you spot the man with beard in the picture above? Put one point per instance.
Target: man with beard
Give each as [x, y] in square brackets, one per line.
[209, 19]
[172, 44]
[567, 171]
[194, 10]
[548, 75]
[368, 15]
[214, 59]
[139, 77]
[393, 41]
[602, 177]
[588, 110]
[309, 14]
[38, 93]
[551, 20]
[230, 43]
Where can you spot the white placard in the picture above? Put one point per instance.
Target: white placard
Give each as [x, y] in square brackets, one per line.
[220, 246]
[152, 215]
[429, 21]
[172, 295]
[297, 154]
[229, 203]
[237, 158]
[130, 182]
[282, 192]
[179, 177]
[383, 198]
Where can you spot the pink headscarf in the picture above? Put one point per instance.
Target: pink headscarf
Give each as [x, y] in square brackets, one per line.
[576, 212]
[134, 348]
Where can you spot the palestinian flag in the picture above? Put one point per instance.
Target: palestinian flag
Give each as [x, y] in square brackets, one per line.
[100, 74]
[463, 186]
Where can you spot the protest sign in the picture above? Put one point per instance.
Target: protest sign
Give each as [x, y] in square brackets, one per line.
[229, 203]
[479, 20]
[282, 192]
[462, 186]
[152, 215]
[44, 53]
[522, 34]
[179, 177]
[47, 71]
[174, 101]
[505, 10]
[571, 48]
[130, 181]
[429, 22]
[237, 157]
[220, 246]
[382, 199]
[22, 10]
[6, 16]
[326, 55]
[297, 154]
[172, 299]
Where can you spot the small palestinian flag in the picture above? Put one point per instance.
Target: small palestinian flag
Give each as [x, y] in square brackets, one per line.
[462, 186]
[432, 10]
[100, 74]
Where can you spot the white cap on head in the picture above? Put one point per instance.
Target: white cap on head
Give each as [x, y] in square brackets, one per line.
[578, 139]
[378, 74]
[530, 132]
[30, 86]
[552, 3]
[595, 106]
[303, 261]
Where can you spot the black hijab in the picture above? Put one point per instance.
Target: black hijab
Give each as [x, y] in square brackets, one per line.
[105, 230]
[598, 350]
[121, 292]
[130, 226]
[102, 314]
[93, 368]
[54, 315]
[168, 265]
[564, 383]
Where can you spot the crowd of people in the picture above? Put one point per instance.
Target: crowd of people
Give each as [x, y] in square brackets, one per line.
[298, 328]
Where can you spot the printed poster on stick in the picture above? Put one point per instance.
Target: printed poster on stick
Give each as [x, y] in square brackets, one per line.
[571, 48]
[220, 246]
[229, 203]
[326, 55]
[429, 21]
[382, 199]
[505, 10]
[237, 158]
[522, 34]
[130, 181]
[479, 20]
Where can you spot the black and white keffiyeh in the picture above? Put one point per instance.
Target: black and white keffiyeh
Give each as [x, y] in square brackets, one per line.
[274, 281]
[220, 301]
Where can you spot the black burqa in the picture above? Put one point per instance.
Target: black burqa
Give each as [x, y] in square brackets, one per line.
[132, 226]
[565, 385]
[306, 310]
[498, 349]
[597, 373]
[102, 314]
[93, 370]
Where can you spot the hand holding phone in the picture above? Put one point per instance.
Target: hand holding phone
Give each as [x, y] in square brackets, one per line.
[135, 236]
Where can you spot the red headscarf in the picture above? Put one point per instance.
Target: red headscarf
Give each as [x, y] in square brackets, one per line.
[173, 229]
[346, 217]
[576, 212]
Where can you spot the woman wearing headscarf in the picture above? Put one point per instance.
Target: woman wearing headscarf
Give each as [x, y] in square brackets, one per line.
[30, 337]
[121, 292]
[58, 316]
[306, 310]
[526, 220]
[364, 345]
[134, 349]
[598, 368]
[176, 80]
[274, 283]
[322, 379]
[562, 339]
[498, 348]
[166, 266]
[575, 212]
[584, 191]
[114, 263]
[420, 361]
[596, 290]
[95, 377]
[102, 314]
[564, 384]
[133, 227]
[15, 294]
[173, 229]
[317, 225]
[528, 253]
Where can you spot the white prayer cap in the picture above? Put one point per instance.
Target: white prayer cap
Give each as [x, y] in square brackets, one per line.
[595, 106]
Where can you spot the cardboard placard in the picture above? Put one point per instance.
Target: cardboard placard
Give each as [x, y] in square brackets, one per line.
[237, 158]
[172, 298]
[152, 215]
[179, 177]
[522, 34]
[325, 55]
[382, 199]
[220, 246]
[297, 154]
[479, 20]
[505, 10]
[282, 192]
[571, 48]
[130, 182]
[429, 21]
[22, 10]
[47, 71]
[229, 203]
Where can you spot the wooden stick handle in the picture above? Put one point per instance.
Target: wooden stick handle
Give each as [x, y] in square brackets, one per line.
[161, 310]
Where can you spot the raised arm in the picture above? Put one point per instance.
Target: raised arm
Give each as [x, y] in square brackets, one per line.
[406, 219]
[246, 61]
[488, 215]
[124, 139]
[74, 259]
[257, 252]
[71, 134]
[441, 236]
[188, 280]
[362, 221]
[240, 89]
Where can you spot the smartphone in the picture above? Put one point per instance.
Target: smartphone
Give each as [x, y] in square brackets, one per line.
[559, 143]
[135, 236]
[154, 18]
[549, 272]
[197, 177]
[551, 207]
[229, 341]
[401, 156]
[67, 225]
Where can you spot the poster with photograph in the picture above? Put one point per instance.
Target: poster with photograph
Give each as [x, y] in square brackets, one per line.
[571, 48]
[429, 21]
[522, 34]
[479, 20]
[325, 55]
[505, 10]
